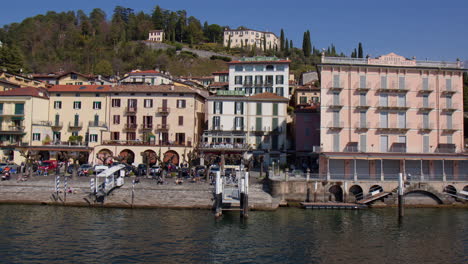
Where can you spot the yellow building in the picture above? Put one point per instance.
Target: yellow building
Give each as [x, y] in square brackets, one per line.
[10, 81]
[66, 78]
[23, 120]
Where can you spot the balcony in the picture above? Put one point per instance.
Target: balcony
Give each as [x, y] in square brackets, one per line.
[362, 126]
[57, 125]
[449, 129]
[426, 107]
[398, 147]
[392, 106]
[163, 110]
[146, 143]
[361, 105]
[335, 125]
[363, 89]
[97, 124]
[425, 91]
[16, 113]
[335, 88]
[248, 84]
[450, 107]
[225, 146]
[392, 90]
[12, 129]
[446, 148]
[335, 104]
[426, 128]
[393, 128]
[75, 125]
[448, 91]
[130, 126]
[146, 127]
[162, 127]
[351, 147]
[130, 110]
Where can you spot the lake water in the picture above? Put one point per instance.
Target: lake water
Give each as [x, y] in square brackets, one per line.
[38, 234]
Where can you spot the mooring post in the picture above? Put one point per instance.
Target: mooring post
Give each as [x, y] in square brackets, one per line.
[400, 195]
[133, 191]
[64, 190]
[219, 194]
[245, 209]
[57, 185]
[286, 174]
[92, 185]
[315, 191]
[242, 194]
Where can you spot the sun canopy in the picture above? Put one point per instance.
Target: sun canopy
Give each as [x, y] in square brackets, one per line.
[110, 171]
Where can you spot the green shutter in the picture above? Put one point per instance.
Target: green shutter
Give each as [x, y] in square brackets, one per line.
[259, 108]
[258, 124]
[19, 109]
[77, 120]
[275, 125]
[275, 109]
[1, 108]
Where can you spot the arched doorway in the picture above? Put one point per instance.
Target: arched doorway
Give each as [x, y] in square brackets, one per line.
[357, 191]
[337, 193]
[127, 156]
[465, 189]
[450, 189]
[171, 157]
[150, 157]
[104, 156]
[44, 155]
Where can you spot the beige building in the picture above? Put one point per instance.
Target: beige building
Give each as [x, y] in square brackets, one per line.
[66, 78]
[306, 95]
[10, 81]
[76, 110]
[156, 35]
[248, 37]
[18, 125]
[159, 121]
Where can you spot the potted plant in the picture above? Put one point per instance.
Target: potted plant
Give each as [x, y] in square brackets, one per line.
[46, 140]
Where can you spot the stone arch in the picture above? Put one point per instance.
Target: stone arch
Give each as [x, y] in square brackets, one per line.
[357, 191]
[450, 189]
[337, 192]
[465, 189]
[152, 157]
[171, 157]
[375, 188]
[104, 156]
[424, 193]
[127, 156]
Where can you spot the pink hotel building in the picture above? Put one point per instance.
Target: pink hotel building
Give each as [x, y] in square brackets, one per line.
[386, 115]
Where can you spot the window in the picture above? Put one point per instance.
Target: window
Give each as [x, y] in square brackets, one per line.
[279, 79]
[336, 98]
[258, 90]
[362, 99]
[280, 91]
[180, 103]
[115, 102]
[147, 121]
[74, 76]
[58, 105]
[279, 67]
[303, 100]
[181, 120]
[116, 119]
[383, 100]
[425, 98]
[259, 108]
[36, 136]
[131, 136]
[239, 123]
[363, 119]
[336, 81]
[96, 105]
[57, 136]
[269, 80]
[258, 124]
[115, 135]
[132, 103]
[402, 120]
[239, 108]
[425, 83]
[448, 84]
[148, 103]
[269, 67]
[401, 83]
[383, 120]
[383, 82]
[19, 109]
[362, 143]
[383, 143]
[258, 80]
[237, 79]
[362, 82]
[216, 122]
[336, 142]
[77, 105]
[401, 100]
[275, 109]
[248, 80]
[449, 121]
[218, 107]
[425, 143]
[238, 68]
[258, 67]
[274, 125]
[93, 138]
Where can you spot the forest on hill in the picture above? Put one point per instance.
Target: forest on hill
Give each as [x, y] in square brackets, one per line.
[100, 44]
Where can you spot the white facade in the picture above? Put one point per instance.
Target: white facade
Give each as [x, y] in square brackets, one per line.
[146, 78]
[156, 35]
[249, 37]
[259, 75]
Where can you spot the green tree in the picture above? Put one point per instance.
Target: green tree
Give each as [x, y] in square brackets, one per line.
[104, 68]
[282, 40]
[360, 52]
[306, 44]
[291, 44]
[11, 59]
[158, 18]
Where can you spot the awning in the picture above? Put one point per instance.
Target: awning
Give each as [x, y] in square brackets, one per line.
[395, 156]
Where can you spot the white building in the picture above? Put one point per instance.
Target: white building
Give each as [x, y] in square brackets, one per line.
[150, 77]
[156, 35]
[260, 75]
[248, 37]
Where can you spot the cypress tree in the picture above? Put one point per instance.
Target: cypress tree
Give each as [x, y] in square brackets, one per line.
[290, 44]
[286, 47]
[306, 45]
[360, 52]
[282, 40]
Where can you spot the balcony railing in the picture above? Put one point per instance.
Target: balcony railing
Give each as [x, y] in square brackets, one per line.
[335, 104]
[446, 148]
[224, 146]
[146, 127]
[392, 106]
[393, 90]
[42, 123]
[75, 125]
[130, 126]
[163, 110]
[335, 125]
[449, 129]
[361, 104]
[57, 125]
[450, 107]
[426, 127]
[393, 127]
[16, 113]
[362, 125]
[426, 106]
[363, 89]
[162, 127]
[97, 124]
[12, 129]
[130, 110]
[446, 91]
[147, 143]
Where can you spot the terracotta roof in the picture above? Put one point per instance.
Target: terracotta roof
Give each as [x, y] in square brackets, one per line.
[219, 84]
[26, 91]
[143, 72]
[220, 72]
[268, 96]
[155, 89]
[260, 62]
[308, 88]
[81, 88]
[60, 74]
[8, 82]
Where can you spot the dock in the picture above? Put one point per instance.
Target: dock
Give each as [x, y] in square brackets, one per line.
[352, 206]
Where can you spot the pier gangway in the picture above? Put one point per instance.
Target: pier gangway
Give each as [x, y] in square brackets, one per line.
[231, 193]
[114, 178]
[373, 196]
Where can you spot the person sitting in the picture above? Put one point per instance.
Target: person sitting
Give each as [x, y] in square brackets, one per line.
[179, 181]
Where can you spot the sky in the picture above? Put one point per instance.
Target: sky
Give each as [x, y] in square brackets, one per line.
[427, 29]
